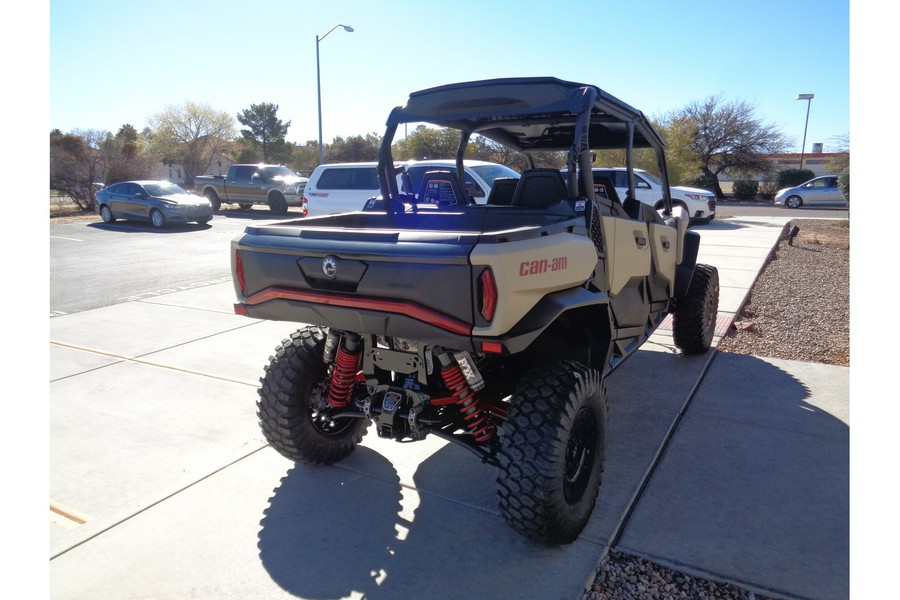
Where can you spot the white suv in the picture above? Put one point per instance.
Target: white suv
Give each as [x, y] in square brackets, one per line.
[700, 204]
[340, 187]
[345, 187]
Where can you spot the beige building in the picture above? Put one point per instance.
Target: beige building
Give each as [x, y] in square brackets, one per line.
[820, 163]
[174, 173]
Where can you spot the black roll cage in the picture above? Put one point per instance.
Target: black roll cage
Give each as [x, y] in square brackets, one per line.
[529, 114]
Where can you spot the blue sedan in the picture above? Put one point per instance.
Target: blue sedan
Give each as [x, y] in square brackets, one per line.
[158, 202]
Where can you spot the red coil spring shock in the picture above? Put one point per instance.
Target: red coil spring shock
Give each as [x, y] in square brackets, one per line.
[477, 420]
[343, 377]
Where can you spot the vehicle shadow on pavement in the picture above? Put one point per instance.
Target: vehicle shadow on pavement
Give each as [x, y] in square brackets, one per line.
[754, 486]
[355, 530]
[140, 227]
[256, 215]
[330, 531]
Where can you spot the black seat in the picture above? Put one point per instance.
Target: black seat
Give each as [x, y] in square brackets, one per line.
[633, 208]
[502, 191]
[539, 188]
[603, 186]
[441, 188]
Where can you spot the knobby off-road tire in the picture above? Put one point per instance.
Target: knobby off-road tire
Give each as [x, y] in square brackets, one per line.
[694, 318]
[293, 384]
[552, 449]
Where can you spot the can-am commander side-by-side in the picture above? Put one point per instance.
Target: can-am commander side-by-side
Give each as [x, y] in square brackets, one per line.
[492, 326]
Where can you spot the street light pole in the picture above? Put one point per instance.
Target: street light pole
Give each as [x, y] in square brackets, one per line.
[808, 98]
[348, 29]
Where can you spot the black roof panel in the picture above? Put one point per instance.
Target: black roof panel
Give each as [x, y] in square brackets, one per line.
[528, 113]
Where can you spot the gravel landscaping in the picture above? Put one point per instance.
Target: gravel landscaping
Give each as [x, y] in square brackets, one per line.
[798, 309]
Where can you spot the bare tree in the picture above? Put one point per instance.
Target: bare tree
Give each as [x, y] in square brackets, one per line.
[725, 135]
[76, 164]
[191, 135]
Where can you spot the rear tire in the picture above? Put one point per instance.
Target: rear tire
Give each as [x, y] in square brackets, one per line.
[106, 214]
[694, 318]
[293, 389]
[551, 452]
[157, 219]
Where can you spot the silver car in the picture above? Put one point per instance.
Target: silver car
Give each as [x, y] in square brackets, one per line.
[159, 202]
[821, 190]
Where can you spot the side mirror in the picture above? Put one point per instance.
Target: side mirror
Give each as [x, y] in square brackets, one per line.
[642, 185]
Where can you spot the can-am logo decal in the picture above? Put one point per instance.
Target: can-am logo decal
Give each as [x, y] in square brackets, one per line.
[545, 265]
[329, 267]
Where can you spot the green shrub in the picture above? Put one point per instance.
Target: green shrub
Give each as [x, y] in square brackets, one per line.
[793, 177]
[745, 189]
[768, 189]
[844, 183]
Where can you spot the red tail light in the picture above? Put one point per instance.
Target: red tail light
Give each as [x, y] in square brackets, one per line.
[239, 271]
[488, 294]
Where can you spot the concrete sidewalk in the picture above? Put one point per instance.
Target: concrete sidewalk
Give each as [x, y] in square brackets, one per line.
[163, 487]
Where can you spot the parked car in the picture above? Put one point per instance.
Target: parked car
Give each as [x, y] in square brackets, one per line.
[245, 185]
[345, 187]
[159, 202]
[340, 187]
[819, 190]
[699, 203]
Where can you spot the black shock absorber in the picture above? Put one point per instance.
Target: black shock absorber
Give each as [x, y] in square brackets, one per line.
[478, 421]
[343, 376]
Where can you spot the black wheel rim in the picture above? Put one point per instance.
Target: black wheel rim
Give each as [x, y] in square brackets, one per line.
[581, 454]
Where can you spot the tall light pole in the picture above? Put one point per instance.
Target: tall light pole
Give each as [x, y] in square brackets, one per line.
[808, 98]
[348, 29]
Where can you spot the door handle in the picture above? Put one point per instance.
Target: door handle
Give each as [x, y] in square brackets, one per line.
[640, 240]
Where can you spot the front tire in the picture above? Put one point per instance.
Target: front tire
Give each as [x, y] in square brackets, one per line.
[213, 198]
[277, 204]
[794, 202]
[694, 317]
[292, 392]
[552, 449]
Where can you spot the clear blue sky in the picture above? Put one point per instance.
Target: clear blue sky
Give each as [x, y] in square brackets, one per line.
[114, 62]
